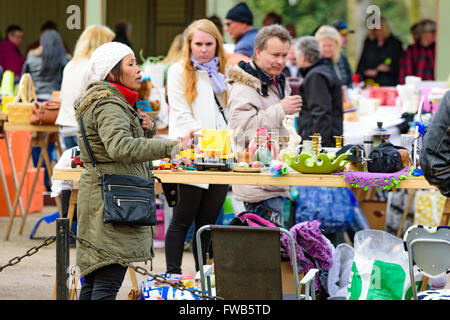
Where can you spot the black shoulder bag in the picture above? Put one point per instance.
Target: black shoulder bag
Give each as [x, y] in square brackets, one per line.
[128, 200]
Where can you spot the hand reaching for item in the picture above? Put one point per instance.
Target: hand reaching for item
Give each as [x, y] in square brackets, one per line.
[147, 123]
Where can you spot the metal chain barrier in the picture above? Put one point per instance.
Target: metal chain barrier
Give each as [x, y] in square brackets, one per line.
[177, 285]
[29, 252]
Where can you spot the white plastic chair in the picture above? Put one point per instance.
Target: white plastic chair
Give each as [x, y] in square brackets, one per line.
[428, 249]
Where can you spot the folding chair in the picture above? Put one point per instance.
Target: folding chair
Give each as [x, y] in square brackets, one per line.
[247, 263]
[428, 249]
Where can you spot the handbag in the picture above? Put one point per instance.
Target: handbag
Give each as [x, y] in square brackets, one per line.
[128, 200]
[385, 158]
[45, 113]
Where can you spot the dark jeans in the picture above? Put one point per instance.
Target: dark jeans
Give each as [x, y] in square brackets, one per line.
[36, 153]
[103, 283]
[270, 209]
[70, 142]
[199, 205]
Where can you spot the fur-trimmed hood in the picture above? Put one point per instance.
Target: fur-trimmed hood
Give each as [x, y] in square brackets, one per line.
[237, 74]
[97, 90]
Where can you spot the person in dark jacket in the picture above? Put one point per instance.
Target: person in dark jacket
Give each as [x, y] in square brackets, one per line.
[330, 43]
[123, 30]
[380, 58]
[46, 63]
[321, 94]
[435, 153]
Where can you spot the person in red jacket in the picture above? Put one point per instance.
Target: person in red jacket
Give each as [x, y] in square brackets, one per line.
[419, 58]
[10, 56]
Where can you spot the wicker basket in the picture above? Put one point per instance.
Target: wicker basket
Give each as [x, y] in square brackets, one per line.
[21, 108]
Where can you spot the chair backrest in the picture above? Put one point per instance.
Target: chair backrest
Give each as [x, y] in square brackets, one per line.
[429, 249]
[247, 262]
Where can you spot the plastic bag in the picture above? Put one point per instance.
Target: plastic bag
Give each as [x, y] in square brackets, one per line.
[429, 207]
[339, 273]
[380, 269]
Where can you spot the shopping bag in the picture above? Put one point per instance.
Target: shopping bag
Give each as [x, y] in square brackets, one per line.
[429, 208]
[380, 269]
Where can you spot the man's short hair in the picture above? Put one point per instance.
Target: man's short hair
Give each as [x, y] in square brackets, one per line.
[309, 46]
[275, 17]
[13, 28]
[274, 30]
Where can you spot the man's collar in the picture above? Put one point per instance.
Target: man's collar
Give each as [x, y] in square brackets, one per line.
[253, 69]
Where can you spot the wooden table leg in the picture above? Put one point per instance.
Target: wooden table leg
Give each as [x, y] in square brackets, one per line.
[445, 213]
[19, 190]
[42, 143]
[411, 194]
[5, 188]
[134, 292]
[13, 170]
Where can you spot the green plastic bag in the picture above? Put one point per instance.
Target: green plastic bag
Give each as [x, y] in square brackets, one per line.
[380, 269]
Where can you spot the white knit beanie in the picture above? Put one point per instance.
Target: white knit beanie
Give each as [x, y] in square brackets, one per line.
[104, 58]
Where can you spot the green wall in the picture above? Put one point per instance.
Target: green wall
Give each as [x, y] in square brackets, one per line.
[443, 43]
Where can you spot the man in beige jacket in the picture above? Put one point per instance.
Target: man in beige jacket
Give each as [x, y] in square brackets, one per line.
[259, 97]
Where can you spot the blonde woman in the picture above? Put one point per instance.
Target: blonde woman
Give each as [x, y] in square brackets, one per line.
[330, 42]
[197, 99]
[174, 53]
[380, 57]
[75, 79]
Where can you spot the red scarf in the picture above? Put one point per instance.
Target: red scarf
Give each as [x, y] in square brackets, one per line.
[129, 95]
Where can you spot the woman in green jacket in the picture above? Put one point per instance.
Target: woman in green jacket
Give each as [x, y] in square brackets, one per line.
[121, 139]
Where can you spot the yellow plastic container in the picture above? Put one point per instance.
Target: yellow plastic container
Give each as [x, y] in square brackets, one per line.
[6, 99]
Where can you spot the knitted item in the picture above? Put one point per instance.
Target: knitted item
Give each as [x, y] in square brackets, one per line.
[311, 247]
[240, 12]
[104, 58]
[380, 181]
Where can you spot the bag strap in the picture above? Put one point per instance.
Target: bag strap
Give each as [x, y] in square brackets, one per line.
[220, 109]
[92, 157]
[88, 146]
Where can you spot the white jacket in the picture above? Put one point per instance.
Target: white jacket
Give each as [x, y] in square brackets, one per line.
[73, 83]
[204, 112]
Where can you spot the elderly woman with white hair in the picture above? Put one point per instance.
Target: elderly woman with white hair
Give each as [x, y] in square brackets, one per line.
[321, 93]
[330, 46]
[121, 139]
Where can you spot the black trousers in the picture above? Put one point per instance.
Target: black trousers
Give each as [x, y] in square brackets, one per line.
[195, 204]
[103, 283]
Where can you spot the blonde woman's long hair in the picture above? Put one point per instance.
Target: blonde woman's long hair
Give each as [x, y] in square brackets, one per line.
[92, 38]
[174, 53]
[328, 32]
[385, 27]
[205, 25]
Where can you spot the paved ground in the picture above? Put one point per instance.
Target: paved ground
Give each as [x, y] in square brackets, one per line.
[34, 277]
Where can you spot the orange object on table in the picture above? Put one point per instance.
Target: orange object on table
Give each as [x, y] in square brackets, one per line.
[20, 141]
[386, 95]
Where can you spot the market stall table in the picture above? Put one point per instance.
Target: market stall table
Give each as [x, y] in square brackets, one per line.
[244, 178]
[40, 138]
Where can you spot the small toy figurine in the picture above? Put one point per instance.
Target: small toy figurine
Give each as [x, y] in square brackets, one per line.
[294, 138]
[144, 93]
[75, 158]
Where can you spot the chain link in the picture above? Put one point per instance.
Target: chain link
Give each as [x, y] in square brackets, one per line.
[29, 252]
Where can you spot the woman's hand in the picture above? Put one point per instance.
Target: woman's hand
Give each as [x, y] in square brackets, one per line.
[185, 142]
[147, 122]
[371, 73]
[383, 68]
